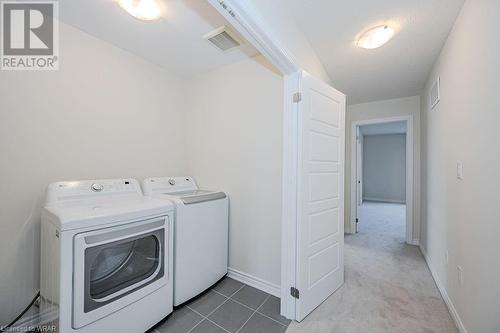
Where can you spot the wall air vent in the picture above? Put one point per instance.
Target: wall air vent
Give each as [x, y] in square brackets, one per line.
[435, 93]
[223, 39]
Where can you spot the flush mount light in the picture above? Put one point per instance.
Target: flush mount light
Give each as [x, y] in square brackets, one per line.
[146, 10]
[375, 37]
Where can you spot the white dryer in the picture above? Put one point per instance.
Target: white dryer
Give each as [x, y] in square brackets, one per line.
[200, 233]
[106, 257]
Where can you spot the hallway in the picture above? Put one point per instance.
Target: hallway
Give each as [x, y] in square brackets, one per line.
[388, 287]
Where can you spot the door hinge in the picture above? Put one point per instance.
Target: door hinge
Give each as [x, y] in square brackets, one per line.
[357, 220]
[294, 292]
[297, 97]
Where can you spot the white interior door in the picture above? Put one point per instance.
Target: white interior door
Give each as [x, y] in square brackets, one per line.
[320, 227]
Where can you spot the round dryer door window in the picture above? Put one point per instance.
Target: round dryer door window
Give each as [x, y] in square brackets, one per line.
[109, 260]
[115, 269]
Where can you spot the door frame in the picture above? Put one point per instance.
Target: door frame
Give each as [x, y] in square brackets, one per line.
[359, 170]
[409, 171]
[248, 23]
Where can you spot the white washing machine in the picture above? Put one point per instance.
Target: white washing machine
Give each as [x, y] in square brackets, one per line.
[200, 233]
[106, 257]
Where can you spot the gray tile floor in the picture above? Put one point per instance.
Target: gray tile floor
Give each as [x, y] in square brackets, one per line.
[230, 306]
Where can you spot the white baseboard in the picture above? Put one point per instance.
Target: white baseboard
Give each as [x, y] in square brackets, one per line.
[414, 242]
[451, 308]
[255, 282]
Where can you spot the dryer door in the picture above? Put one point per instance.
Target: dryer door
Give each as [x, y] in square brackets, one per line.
[117, 266]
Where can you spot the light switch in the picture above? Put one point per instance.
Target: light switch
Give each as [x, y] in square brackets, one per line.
[460, 170]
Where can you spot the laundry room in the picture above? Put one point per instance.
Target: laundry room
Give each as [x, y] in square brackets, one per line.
[248, 166]
[179, 96]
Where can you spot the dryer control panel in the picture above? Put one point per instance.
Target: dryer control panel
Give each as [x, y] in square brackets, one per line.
[63, 191]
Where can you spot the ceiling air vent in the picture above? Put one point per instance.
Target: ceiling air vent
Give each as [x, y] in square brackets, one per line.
[435, 93]
[222, 38]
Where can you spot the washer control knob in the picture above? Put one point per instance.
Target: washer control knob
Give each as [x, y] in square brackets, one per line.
[171, 182]
[97, 187]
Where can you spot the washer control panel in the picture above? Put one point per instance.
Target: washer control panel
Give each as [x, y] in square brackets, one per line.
[61, 191]
[168, 185]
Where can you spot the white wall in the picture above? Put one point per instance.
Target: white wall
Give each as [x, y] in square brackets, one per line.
[105, 113]
[384, 168]
[278, 21]
[235, 144]
[462, 216]
[383, 109]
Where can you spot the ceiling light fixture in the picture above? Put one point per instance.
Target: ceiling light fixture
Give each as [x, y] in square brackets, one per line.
[146, 10]
[375, 37]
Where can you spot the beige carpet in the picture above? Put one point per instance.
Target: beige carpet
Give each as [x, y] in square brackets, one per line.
[388, 287]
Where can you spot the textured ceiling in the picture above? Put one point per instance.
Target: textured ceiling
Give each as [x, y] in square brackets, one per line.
[399, 68]
[173, 42]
